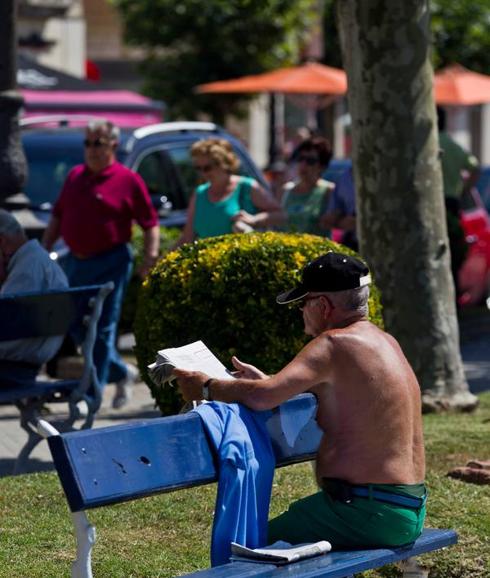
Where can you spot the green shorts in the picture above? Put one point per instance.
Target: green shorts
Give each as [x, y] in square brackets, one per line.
[363, 522]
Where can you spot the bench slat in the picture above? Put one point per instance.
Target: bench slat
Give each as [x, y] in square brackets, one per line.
[41, 315]
[40, 389]
[129, 461]
[132, 460]
[26, 315]
[338, 564]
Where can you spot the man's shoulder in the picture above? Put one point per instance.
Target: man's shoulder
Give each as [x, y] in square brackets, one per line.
[76, 172]
[128, 175]
[360, 330]
[120, 169]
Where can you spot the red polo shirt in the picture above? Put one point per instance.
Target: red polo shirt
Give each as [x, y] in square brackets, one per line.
[96, 211]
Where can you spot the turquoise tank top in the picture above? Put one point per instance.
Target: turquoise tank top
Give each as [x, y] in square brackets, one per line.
[213, 219]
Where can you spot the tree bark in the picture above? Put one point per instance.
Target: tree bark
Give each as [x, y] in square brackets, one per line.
[13, 167]
[401, 214]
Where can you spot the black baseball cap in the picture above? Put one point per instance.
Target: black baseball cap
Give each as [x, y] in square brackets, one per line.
[329, 273]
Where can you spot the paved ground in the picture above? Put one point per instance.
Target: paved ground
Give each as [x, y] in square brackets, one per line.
[475, 347]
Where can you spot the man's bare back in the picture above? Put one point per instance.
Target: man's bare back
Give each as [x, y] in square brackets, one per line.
[370, 462]
[369, 408]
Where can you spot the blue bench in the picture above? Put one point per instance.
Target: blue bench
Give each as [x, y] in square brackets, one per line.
[125, 462]
[26, 315]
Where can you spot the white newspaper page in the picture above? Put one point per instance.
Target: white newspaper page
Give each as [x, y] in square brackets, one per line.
[195, 357]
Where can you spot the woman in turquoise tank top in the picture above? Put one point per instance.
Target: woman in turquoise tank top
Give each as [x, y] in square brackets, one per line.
[227, 202]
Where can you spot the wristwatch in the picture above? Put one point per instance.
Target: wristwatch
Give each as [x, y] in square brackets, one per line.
[205, 389]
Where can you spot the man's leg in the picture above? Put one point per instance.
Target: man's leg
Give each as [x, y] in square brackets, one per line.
[112, 266]
[360, 523]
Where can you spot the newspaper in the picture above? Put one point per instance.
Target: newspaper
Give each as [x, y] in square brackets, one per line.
[193, 357]
[279, 552]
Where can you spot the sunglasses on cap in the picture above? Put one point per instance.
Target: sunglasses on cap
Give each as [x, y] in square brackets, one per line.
[310, 161]
[96, 143]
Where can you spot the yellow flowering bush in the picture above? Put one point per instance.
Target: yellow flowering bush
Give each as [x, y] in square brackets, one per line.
[222, 290]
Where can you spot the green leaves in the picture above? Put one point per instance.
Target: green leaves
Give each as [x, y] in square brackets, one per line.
[191, 42]
[461, 33]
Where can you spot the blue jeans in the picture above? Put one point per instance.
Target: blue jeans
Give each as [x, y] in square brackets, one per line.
[115, 265]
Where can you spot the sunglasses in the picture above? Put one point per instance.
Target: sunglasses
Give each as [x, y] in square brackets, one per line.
[97, 143]
[203, 168]
[304, 301]
[310, 161]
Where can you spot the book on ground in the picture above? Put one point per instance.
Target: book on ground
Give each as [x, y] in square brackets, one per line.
[279, 552]
[193, 357]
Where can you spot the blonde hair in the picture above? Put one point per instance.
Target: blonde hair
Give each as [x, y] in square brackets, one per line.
[219, 151]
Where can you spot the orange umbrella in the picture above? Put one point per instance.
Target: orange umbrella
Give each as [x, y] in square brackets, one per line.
[459, 86]
[310, 78]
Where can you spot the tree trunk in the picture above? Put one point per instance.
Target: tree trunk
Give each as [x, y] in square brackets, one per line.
[401, 214]
[12, 160]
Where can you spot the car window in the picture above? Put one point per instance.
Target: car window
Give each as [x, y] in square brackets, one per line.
[163, 179]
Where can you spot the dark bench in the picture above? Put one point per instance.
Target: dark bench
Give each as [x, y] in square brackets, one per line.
[26, 315]
[125, 462]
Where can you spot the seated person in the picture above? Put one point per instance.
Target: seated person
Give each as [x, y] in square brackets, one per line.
[370, 464]
[24, 267]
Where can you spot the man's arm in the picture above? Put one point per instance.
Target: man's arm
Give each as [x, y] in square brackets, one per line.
[51, 233]
[309, 368]
[151, 238]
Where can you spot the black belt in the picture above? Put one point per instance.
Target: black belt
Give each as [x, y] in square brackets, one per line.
[343, 491]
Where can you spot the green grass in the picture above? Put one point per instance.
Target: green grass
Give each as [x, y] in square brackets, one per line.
[168, 535]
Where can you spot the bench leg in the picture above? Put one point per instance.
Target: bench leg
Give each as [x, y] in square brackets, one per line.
[412, 569]
[28, 417]
[85, 533]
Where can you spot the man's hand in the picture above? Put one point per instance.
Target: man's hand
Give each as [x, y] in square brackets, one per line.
[146, 265]
[246, 370]
[190, 383]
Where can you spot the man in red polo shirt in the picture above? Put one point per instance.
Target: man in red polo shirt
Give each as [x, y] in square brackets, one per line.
[94, 214]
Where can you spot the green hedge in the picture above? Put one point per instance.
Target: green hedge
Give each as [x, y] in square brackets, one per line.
[168, 236]
[222, 290]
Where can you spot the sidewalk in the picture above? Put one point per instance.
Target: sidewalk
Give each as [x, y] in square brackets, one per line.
[475, 348]
[13, 437]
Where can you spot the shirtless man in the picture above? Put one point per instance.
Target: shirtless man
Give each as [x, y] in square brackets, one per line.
[370, 464]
